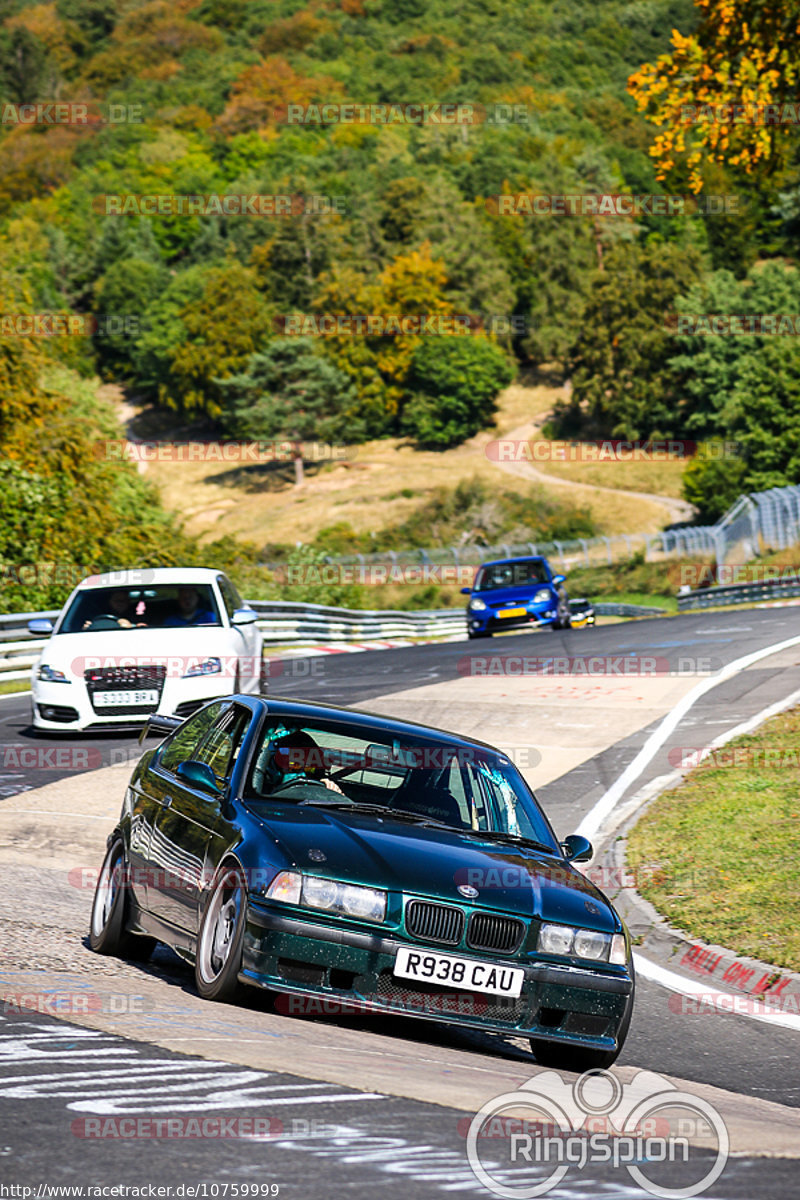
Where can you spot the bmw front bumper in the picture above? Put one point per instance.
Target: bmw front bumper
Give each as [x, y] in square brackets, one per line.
[346, 968]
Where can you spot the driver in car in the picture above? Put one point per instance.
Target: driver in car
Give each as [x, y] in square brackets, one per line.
[120, 607]
[296, 756]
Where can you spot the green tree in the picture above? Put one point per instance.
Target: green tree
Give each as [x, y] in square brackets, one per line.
[455, 382]
[621, 380]
[122, 296]
[229, 323]
[289, 391]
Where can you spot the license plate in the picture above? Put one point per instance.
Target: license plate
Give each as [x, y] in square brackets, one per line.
[512, 612]
[466, 973]
[117, 699]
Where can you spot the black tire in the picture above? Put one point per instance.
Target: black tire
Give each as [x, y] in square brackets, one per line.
[218, 956]
[472, 636]
[107, 927]
[577, 1058]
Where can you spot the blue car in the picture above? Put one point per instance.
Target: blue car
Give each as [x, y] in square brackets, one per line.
[513, 592]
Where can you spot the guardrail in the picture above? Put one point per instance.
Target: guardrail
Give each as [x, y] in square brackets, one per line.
[741, 593]
[284, 622]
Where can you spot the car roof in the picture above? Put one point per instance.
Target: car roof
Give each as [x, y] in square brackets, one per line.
[308, 710]
[503, 562]
[148, 576]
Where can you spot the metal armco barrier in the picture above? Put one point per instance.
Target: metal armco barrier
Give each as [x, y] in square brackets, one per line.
[291, 622]
[742, 593]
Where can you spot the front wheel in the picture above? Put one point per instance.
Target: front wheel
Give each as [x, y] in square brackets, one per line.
[479, 634]
[219, 944]
[107, 932]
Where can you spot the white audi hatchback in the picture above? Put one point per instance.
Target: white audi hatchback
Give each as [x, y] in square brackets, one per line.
[131, 643]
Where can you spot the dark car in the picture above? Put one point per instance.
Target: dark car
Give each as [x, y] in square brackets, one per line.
[375, 864]
[512, 592]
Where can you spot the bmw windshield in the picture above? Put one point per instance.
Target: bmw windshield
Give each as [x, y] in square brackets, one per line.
[333, 765]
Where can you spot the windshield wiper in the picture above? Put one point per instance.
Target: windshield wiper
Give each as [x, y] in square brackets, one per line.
[396, 814]
[498, 835]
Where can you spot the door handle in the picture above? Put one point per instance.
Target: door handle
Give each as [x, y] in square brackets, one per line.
[166, 802]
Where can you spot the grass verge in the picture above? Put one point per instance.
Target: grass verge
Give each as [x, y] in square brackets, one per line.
[718, 856]
[16, 685]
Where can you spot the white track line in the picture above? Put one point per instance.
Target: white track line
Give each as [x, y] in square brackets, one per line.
[721, 1002]
[593, 821]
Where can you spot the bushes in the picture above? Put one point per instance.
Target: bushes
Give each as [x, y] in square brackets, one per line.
[455, 382]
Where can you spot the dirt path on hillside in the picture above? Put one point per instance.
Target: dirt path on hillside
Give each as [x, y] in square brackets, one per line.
[677, 510]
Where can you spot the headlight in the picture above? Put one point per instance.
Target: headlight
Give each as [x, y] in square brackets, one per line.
[543, 596]
[320, 893]
[209, 666]
[590, 944]
[51, 675]
[285, 886]
[619, 953]
[556, 939]
[477, 605]
[583, 943]
[313, 891]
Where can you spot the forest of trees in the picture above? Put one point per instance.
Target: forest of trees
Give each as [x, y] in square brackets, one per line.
[190, 98]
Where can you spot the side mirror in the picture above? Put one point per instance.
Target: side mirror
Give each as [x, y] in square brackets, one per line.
[243, 616]
[199, 775]
[577, 848]
[559, 579]
[40, 625]
[466, 591]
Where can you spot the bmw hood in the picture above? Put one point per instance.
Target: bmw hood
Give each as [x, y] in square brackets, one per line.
[434, 863]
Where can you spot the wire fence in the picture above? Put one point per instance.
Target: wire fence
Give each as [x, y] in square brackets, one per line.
[754, 525]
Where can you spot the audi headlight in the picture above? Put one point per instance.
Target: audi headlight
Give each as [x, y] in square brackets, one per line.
[314, 891]
[543, 596]
[477, 606]
[582, 943]
[208, 666]
[51, 675]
